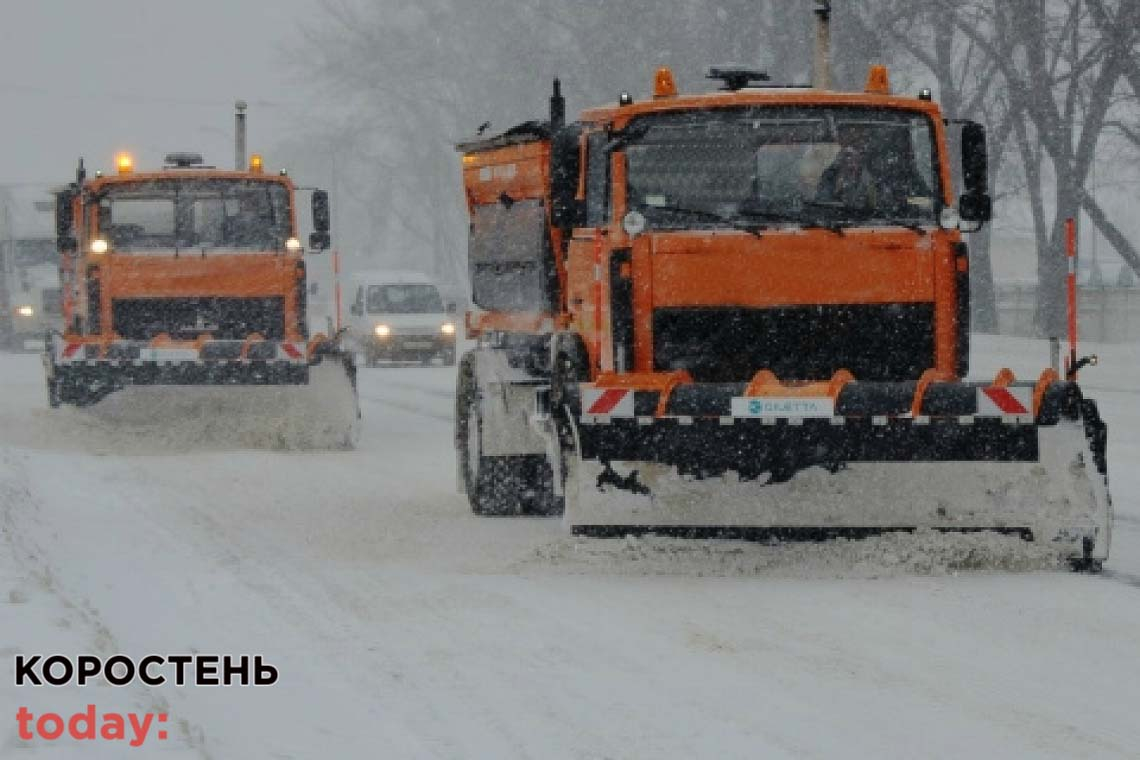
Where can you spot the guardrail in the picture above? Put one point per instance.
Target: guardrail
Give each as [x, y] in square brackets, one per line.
[1104, 315]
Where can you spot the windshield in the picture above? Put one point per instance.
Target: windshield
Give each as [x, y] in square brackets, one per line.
[404, 298]
[227, 214]
[30, 253]
[783, 164]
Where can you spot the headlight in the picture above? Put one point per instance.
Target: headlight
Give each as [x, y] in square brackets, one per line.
[382, 331]
[447, 328]
[25, 311]
[293, 245]
[99, 246]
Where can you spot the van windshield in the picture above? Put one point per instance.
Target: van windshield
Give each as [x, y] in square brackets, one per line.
[404, 298]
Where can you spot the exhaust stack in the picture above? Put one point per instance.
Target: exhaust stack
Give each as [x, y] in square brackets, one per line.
[239, 136]
[821, 76]
[557, 107]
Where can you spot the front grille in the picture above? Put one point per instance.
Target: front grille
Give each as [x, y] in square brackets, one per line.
[876, 343]
[187, 318]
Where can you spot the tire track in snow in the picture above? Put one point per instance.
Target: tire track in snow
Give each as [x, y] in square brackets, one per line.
[427, 391]
[408, 407]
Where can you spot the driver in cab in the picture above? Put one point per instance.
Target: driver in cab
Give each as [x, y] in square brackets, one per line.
[875, 170]
[848, 181]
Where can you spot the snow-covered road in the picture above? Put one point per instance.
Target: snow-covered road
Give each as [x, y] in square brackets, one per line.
[405, 627]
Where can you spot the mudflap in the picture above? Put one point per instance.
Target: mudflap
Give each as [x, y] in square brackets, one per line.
[1059, 494]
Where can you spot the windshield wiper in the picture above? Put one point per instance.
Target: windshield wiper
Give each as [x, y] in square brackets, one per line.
[819, 224]
[712, 216]
[838, 225]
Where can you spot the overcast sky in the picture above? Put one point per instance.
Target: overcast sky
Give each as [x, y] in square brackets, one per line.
[83, 78]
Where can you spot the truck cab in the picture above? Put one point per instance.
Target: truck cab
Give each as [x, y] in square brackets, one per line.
[725, 313]
[183, 275]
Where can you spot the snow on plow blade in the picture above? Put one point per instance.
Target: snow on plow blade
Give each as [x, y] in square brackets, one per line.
[847, 472]
[273, 394]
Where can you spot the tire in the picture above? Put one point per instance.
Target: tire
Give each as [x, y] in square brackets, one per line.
[54, 394]
[502, 485]
[543, 501]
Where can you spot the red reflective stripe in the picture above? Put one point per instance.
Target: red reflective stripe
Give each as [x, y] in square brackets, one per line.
[1005, 401]
[606, 402]
[71, 349]
[290, 349]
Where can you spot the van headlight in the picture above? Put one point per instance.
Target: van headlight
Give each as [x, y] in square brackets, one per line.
[25, 311]
[382, 331]
[447, 328]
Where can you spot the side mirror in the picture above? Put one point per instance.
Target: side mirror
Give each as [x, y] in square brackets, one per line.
[321, 216]
[451, 307]
[319, 241]
[566, 211]
[64, 229]
[356, 310]
[976, 207]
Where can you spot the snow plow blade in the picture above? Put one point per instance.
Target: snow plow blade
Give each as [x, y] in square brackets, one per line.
[868, 466]
[275, 394]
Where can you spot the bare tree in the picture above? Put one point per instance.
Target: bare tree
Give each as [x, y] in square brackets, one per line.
[1061, 74]
[924, 34]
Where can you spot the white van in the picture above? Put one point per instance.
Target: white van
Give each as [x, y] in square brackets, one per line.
[400, 316]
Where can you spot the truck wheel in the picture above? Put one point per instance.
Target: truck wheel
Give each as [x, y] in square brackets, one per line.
[543, 501]
[503, 485]
[54, 396]
[488, 480]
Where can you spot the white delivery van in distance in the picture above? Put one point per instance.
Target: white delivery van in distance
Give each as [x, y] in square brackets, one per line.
[400, 316]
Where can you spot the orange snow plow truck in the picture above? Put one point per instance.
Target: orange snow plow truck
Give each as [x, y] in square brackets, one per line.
[193, 276]
[746, 314]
